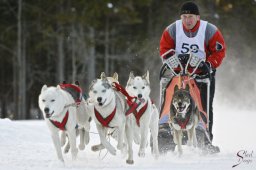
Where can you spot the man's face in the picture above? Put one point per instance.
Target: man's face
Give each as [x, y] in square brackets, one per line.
[189, 20]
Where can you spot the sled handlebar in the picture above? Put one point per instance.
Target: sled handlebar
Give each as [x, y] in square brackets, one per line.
[183, 61]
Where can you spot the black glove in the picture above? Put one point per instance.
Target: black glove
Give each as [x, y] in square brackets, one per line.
[205, 67]
[183, 58]
[169, 55]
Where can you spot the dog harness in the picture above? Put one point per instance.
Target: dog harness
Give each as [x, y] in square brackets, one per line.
[74, 90]
[140, 113]
[183, 124]
[61, 125]
[119, 88]
[132, 104]
[104, 121]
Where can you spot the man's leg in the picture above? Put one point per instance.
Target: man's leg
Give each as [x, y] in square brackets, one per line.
[207, 144]
[203, 90]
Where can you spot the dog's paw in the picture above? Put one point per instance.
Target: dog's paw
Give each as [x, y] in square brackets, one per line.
[130, 162]
[74, 153]
[124, 152]
[156, 154]
[180, 153]
[141, 153]
[120, 146]
[98, 147]
[66, 149]
[81, 146]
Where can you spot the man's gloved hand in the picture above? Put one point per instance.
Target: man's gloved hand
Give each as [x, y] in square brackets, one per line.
[169, 55]
[183, 58]
[205, 67]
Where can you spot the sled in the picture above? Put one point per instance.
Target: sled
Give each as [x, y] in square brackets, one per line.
[186, 75]
[177, 72]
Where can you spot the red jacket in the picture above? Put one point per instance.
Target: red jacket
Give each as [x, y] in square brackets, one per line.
[215, 47]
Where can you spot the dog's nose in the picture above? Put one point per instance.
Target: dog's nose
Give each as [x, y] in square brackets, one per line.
[46, 110]
[99, 99]
[139, 95]
[180, 104]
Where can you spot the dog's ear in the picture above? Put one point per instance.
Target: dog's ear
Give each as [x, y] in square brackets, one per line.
[187, 87]
[115, 76]
[92, 83]
[44, 88]
[131, 75]
[176, 88]
[58, 87]
[102, 75]
[146, 76]
[77, 83]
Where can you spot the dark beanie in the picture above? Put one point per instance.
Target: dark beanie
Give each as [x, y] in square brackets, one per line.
[189, 8]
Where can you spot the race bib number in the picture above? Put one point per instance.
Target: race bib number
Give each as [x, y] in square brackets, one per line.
[187, 47]
[193, 48]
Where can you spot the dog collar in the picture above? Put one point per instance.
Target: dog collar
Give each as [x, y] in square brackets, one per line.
[61, 125]
[104, 121]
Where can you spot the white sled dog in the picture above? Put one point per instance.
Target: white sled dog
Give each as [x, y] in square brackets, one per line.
[55, 104]
[108, 113]
[184, 116]
[146, 116]
[114, 133]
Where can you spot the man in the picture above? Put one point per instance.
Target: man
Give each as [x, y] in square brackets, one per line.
[190, 34]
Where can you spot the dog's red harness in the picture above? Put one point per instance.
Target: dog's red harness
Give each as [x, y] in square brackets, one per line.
[132, 104]
[140, 113]
[61, 125]
[118, 87]
[104, 121]
[182, 124]
[74, 90]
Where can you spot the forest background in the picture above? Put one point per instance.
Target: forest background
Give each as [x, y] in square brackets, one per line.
[47, 42]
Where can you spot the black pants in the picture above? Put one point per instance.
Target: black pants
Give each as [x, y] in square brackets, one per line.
[203, 90]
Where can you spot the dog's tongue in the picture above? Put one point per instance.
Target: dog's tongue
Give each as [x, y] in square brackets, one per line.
[181, 109]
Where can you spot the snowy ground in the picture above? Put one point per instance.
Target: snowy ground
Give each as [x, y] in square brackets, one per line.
[26, 145]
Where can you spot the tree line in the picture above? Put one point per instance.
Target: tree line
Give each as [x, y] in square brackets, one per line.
[47, 42]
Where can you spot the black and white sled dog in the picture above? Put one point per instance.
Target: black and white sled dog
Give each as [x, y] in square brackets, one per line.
[109, 108]
[60, 115]
[184, 116]
[146, 115]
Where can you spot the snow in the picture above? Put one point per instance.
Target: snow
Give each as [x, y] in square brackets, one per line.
[26, 145]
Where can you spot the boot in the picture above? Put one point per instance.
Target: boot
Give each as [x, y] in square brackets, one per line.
[165, 139]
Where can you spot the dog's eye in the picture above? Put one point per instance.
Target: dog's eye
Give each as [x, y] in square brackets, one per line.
[134, 87]
[52, 100]
[43, 100]
[94, 91]
[143, 87]
[103, 91]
